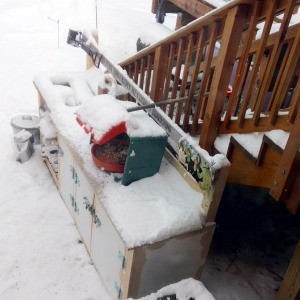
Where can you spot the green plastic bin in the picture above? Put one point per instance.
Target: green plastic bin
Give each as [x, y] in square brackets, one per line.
[144, 158]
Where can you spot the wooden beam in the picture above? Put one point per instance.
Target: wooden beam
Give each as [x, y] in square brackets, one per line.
[245, 171]
[235, 21]
[264, 125]
[196, 8]
[290, 286]
[284, 177]
[159, 71]
[190, 48]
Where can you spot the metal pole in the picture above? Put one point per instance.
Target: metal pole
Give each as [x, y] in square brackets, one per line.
[58, 33]
[96, 8]
[57, 22]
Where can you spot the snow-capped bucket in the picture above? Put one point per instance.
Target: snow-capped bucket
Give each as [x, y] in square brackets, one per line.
[29, 123]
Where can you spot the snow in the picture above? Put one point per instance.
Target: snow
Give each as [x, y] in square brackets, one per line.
[42, 253]
[130, 208]
[185, 289]
[153, 33]
[279, 137]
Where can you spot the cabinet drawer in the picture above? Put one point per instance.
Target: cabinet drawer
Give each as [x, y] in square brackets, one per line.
[108, 252]
[84, 197]
[66, 176]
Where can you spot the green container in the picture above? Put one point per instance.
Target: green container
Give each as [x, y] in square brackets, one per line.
[144, 158]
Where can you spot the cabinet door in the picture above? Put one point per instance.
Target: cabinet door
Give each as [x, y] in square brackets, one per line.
[84, 199]
[66, 176]
[107, 251]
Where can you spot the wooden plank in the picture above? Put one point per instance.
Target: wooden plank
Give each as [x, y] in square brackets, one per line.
[186, 68]
[295, 103]
[273, 61]
[244, 171]
[264, 125]
[136, 71]
[159, 70]
[126, 273]
[241, 71]
[257, 61]
[194, 77]
[149, 73]
[158, 265]
[282, 185]
[169, 73]
[287, 76]
[206, 72]
[230, 42]
[260, 75]
[142, 76]
[176, 75]
[196, 8]
[290, 286]
[52, 172]
[219, 185]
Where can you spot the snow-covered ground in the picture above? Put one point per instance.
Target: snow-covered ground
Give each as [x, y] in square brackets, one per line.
[41, 254]
[40, 249]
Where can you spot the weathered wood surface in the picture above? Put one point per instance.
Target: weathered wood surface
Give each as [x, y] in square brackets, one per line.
[230, 41]
[290, 286]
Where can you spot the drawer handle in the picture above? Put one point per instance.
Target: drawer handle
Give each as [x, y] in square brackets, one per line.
[90, 208]
[74, 204]
[97, 221]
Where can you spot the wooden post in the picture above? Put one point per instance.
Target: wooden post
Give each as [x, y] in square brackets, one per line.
[159, 70]
[285, 181]
[290, 286]
[232, 33]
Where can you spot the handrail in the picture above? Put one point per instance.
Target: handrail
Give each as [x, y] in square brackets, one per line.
[218, 50]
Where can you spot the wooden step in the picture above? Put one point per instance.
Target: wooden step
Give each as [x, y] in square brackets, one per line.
[276, 139]
[250, 164]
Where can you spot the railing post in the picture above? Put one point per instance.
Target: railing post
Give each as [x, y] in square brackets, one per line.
[159, 70]
[231, 37]
[286, 181]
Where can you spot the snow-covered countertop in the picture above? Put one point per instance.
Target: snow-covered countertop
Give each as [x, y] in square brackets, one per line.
[146, 211]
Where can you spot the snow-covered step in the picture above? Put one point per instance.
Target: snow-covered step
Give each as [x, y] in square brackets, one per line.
[278, 137]
[251, 142]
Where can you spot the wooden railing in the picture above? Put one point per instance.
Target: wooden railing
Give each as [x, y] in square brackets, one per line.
[222, 49]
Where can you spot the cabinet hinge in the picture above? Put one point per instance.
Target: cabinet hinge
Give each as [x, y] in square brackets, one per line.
[60, 151]
[97, 221]
[74, 204]
[122, 259]
[74, 175]
[87, 204]
[118, 290]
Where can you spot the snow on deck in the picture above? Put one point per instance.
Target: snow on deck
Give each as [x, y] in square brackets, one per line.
[166, 195]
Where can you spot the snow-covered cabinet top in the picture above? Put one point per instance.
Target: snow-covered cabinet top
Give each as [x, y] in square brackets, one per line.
[148, 210]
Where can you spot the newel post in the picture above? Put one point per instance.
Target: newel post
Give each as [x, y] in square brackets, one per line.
[159, 71]
[230, 42]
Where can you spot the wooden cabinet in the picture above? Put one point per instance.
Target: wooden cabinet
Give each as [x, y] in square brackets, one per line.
[76, 192]
[108, 252]
[126, 272]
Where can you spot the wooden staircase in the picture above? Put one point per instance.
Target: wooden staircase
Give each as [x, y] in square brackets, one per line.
[253, 47]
